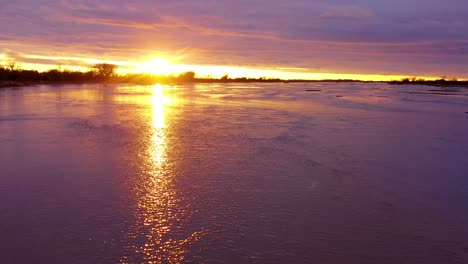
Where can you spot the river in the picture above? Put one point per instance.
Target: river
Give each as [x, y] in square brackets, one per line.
[234, 173]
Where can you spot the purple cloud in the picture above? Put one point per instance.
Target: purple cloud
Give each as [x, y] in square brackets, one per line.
[382, 37]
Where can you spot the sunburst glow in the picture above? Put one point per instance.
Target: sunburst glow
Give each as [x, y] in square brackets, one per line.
[158, 66]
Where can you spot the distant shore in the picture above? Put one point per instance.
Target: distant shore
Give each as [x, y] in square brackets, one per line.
[13, 76]
[12, 84]
[436, 83]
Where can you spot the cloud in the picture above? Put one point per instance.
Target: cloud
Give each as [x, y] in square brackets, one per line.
[24, 58]
[119, 14]
[346, 13]
[361, 37]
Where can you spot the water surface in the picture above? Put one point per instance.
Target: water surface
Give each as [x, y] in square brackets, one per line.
[233, 173]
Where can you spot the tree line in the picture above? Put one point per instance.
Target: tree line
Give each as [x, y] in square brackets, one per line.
[105, 72]
[12, 71]
[442, 81]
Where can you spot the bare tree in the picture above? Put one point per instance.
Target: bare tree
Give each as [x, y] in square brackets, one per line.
[12, 65]
[104, 70]
[187, 76]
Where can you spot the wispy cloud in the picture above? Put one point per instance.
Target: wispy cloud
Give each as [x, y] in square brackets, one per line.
[394, 37]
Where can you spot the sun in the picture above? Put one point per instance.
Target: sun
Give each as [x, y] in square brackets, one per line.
[157, 66]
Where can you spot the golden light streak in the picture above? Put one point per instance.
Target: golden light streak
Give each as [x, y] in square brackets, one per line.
[161, 65]
[158, 104]
[161, 209]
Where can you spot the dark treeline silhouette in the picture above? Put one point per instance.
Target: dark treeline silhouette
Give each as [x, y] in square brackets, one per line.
[11, 74]
[441, 82]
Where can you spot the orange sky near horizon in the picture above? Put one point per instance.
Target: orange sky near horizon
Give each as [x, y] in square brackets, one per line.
[303, 39]
[166, 66]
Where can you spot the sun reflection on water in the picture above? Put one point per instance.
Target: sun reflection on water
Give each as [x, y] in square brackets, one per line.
[162, 212]
[158, 139]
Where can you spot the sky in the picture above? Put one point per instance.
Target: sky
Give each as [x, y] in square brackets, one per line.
[367, 39]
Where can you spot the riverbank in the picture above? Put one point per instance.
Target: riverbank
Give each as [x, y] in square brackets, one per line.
[12, 84]
[436, 83]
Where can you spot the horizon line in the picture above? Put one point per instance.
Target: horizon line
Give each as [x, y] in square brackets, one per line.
[217, 71]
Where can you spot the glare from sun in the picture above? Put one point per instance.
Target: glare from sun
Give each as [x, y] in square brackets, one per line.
[158, 66]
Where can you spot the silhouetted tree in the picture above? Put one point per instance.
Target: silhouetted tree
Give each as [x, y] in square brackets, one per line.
[104, 70]
[187, 76]
[53, 75]
[11, 65]
[30, 76]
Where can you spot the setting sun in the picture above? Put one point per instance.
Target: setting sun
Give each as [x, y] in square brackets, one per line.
[158, 66]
